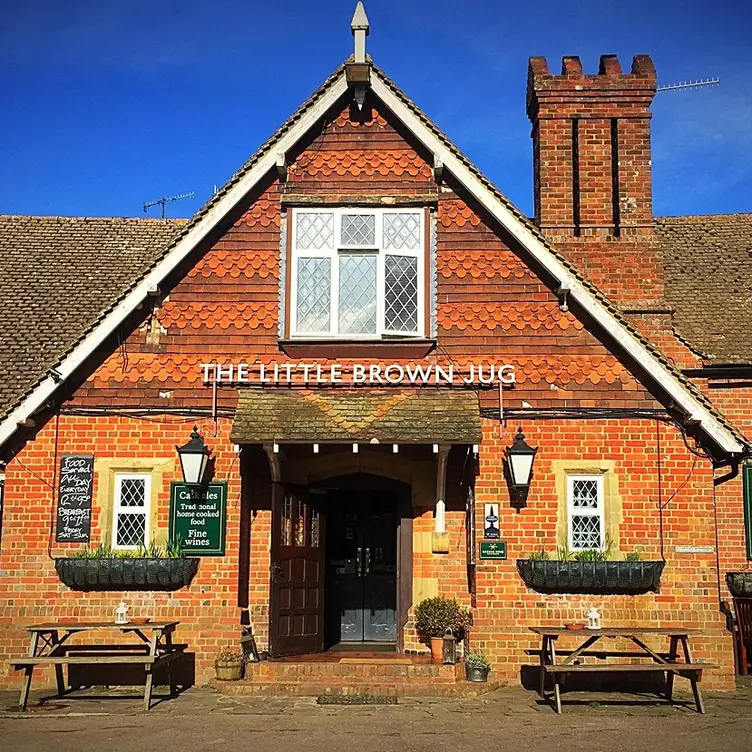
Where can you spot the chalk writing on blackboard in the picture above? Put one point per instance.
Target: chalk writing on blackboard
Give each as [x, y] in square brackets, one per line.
[74, 498]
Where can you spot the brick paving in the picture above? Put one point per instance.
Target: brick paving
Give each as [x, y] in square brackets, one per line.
[507, 719]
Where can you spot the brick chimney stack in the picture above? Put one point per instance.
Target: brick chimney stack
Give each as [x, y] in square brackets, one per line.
[593, 193]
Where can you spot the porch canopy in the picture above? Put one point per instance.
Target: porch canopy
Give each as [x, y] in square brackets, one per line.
[414, 416]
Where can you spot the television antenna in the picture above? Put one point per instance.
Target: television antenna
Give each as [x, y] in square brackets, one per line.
[166, 200]
[690, 84]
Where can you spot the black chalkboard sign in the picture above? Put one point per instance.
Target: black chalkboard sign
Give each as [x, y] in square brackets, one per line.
[74, 498]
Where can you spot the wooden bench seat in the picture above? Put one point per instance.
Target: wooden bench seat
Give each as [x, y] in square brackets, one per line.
[676, 668]
[63, 660]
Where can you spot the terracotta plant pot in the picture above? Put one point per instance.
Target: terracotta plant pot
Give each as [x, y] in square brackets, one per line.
[227, 671]
[437, 648]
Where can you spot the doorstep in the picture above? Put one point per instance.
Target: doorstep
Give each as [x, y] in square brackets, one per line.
[352, 674]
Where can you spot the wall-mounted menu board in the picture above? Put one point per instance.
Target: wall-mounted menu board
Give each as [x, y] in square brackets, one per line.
[75, 488]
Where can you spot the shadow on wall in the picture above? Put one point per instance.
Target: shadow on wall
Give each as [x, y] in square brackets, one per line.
[645, 682]
[132, 675]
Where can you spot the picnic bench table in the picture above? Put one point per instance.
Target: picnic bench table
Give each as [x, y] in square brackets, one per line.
[660, 661]
[48, 644]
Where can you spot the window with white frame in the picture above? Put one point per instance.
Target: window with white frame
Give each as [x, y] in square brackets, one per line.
[130, 528]
[585, 512]
[357, 273]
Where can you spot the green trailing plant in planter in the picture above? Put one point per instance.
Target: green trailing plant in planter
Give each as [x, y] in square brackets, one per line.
[229, 663]
[149, 567]
[434, 616]
[477, 667]
[590, 571]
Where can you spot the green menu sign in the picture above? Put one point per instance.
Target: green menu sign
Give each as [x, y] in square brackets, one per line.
[494, 550]
[197, 518]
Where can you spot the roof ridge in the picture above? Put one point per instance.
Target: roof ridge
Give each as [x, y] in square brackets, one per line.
[91, 218]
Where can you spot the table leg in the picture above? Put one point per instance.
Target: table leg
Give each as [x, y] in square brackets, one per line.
[672, 653]
[693, 676]
[23, 700]
[58, 668]
[543, 657]
[557, 693]
[150, 669]
[168, 646]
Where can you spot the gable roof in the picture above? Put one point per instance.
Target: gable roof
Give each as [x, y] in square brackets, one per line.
[708, 271]
[57, 275]
[726, 441]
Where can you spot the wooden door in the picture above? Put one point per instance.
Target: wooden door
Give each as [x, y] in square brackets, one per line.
[297, 574]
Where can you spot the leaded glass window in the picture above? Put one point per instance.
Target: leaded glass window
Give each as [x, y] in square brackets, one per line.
[586, 514]
[358, 273]
[130, 527]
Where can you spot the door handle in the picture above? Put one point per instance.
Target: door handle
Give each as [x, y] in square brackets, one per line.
[276, 571]
[368, 560]
[360, 561]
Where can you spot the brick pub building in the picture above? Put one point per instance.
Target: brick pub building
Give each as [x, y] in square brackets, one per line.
[358, 323]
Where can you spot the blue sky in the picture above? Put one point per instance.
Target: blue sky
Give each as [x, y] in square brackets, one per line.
[109, 104]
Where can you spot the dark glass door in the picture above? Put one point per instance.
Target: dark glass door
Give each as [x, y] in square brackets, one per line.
[362, 570]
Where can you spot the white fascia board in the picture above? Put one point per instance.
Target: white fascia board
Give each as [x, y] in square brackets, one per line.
[154, 279]
[631, 345]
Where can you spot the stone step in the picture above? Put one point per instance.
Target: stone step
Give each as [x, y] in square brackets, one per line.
[283, 671]
[347, 687]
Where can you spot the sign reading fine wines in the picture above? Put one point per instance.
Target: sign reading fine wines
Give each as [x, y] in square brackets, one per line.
[197, 518]
[355, 373]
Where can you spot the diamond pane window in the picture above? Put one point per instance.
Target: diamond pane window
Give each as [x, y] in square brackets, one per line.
[314, 294]
[315, 230]
[131, 510]
[357, 293]
[401, 231]
[358, 273]
[401, 293]
[359, 230]
[585, 511]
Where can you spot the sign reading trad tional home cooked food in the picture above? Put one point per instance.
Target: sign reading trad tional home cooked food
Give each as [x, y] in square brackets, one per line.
[75, 486]
[197, 518]
[274, 374]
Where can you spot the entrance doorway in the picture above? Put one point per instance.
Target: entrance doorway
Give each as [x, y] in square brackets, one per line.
[361, 568]
[341, 565]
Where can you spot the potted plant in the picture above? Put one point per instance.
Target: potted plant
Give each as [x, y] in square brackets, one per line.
[434, 616]
[590, 572]
[740, 584]
[477, 667]
[229, 664]
[146, 568]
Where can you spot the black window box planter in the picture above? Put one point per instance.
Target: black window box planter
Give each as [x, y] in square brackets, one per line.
[603, 577]
[739, 584]
[126, 574]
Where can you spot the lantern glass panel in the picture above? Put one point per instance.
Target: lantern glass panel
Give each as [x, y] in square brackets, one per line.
[193, 465]
[520, 466]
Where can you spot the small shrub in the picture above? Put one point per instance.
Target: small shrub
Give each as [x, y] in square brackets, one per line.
[477, 660]
[173, 550]
[434, 616]
[592, 554]
[229, 654]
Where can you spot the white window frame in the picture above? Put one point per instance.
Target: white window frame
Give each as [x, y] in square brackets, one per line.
[599, 511]
[378, 249]
[119, 510]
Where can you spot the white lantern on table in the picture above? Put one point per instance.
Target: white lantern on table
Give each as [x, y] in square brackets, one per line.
[593, 619]
[121, 613]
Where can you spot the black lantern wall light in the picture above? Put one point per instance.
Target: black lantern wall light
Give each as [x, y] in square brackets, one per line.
[519, 466]
[194, 457]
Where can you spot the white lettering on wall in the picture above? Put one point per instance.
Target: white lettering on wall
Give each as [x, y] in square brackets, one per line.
[372, 374]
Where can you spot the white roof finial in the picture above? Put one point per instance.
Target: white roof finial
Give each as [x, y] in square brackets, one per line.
[359, 26]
